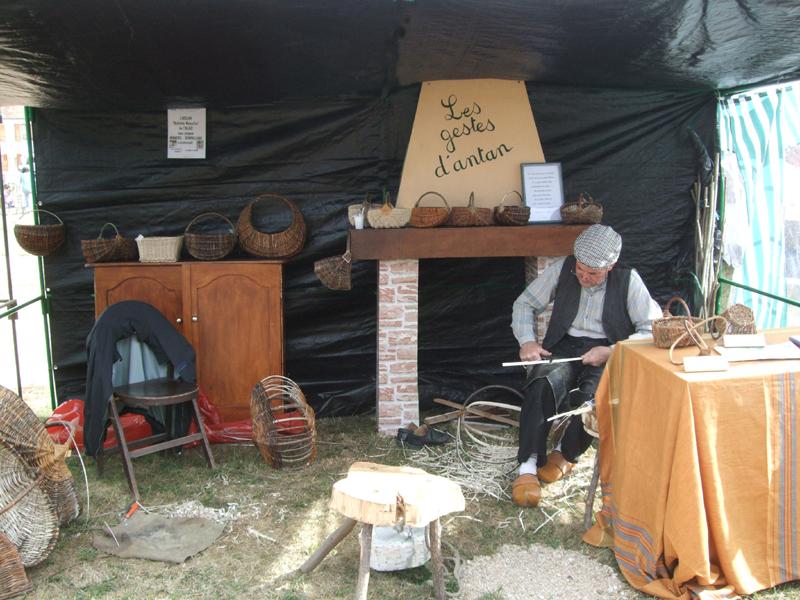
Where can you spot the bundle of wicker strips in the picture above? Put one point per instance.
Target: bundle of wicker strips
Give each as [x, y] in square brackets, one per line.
[209, 246]
[670, 328]
[281, 244]
[429, 216]
[470, 215]
[284, 428]
[41, 239]
[116, 249]
[21, 429]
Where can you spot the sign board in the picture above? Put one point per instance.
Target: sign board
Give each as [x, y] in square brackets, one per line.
[186, 133]
[469, 136]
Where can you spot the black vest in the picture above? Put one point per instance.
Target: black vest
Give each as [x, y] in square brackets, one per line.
[616, 321]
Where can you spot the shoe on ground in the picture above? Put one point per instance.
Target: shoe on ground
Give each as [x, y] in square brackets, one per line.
[557, 467]
[526, 490]
[421, 436]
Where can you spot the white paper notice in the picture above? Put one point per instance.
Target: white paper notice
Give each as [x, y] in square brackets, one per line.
[186, 133]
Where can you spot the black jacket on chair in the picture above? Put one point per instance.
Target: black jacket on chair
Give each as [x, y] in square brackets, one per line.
[117, 322]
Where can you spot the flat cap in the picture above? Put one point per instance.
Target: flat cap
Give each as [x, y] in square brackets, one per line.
[598, 246]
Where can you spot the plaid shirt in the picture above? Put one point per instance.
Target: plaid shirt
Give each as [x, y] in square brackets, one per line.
[642, 309]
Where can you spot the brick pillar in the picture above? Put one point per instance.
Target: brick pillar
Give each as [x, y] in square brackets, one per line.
[397, 393]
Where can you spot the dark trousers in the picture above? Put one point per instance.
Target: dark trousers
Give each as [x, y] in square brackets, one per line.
[553, 388]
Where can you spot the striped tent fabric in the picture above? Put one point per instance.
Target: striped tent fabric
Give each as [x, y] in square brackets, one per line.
[758, 129]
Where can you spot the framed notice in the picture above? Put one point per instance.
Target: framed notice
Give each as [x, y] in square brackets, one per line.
[186, 133]
[543, 191]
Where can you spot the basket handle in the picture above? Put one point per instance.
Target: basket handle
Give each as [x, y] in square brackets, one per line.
[38, 209]
[692, 332]
[103, 228]
[680, 301]
[209, 214]
[503, 200]
[471, 203]
[283, 199]
[447, 206]
[582, 199]
[387, 203]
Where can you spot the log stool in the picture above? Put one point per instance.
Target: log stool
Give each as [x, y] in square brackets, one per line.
[374, 494]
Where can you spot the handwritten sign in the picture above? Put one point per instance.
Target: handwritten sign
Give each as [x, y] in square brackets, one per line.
[469, 136]
[186, 133]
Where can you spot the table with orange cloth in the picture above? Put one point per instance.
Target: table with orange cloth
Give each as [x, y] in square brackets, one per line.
[699, 472]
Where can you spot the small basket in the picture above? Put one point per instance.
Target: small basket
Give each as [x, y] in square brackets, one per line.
[163, 249]
[281, 244]
[209, 246]
[13, 579]
[669, 328]
[365, 206]
[429, 216]
[512, 214]
[470, 215]
[740, 319]
[584, 210]
[284, 428]
[334, 271]
[388, 216]
[41, 239]
[116, 249]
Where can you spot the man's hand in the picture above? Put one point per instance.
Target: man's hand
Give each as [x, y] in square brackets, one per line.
[597, 356]
[530, 351]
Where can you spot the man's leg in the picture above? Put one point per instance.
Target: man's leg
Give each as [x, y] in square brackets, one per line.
[533, 426]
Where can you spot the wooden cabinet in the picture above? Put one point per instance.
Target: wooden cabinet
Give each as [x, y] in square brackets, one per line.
[231, 312]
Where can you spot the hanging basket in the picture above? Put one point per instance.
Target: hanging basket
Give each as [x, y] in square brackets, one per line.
[334, 271]
[209, 246]
[584, 210]
[41, 239]
[429, 216]
[13, 579]
[388, 216]
[282, 244]
[669, 328]
[284, 428]
[512, 214]
[116, 249]
[470, 215]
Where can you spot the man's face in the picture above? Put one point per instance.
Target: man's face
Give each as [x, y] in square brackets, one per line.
[589, 277]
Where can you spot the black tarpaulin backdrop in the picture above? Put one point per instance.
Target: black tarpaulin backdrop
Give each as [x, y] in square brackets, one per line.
[631, 150]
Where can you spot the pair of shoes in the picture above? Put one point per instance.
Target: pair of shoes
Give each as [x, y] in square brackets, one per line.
[557, 467]
[421, 436]
[526, 491]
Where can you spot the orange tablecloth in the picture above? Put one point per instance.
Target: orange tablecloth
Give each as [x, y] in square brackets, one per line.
[699, 472]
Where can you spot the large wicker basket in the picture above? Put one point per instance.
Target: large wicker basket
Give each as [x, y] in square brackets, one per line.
[281, 244]
[284, 428]
[584, 210]
[116, 249]
[669, 328]
[42, 239]
[429, 216]
[512, 214]
[470, 215]
[209, 246]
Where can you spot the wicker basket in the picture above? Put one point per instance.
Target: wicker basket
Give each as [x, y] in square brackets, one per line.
[740, 319]
[365, 206]
[334, 271]
[470, 215]
[209, 246]
[388, 216]
[21, 429]
[13, 579]
[669, 328]
[429, 216]
[164, 249]
[512, 214]
[284, 428]
[116, 249]
[27, 518]
[281, 244]
[41, 239]
[584, 210]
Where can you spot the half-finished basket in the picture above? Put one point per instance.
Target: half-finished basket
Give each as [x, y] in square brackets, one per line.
[281, 244]
[116, 249]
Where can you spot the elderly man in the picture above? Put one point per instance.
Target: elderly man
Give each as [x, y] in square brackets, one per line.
[594, 306]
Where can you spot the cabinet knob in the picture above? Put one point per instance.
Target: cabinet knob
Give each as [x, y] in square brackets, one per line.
[179, 320]
[195, 319]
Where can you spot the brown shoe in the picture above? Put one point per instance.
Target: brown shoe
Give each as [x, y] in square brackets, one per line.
[526, 491]
[557, 467]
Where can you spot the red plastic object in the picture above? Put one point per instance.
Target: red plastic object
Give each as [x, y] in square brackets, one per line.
[134, 425]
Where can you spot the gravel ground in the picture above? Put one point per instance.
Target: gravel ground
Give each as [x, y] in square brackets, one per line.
[541, 573]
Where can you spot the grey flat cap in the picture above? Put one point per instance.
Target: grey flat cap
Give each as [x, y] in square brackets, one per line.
[598, 247]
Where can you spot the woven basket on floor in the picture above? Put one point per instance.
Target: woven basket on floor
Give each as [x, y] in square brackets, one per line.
[284, 428]
[470, 215]
[669, 328]
[584, 210]
[209, 246]
[740, 319]
[13, 579]
[334, 271]
[429, 216]
[21, 429]
[282, 244]
[388, 216]
[512, 214]
[116, 249]
[27, 518]
[41, 239]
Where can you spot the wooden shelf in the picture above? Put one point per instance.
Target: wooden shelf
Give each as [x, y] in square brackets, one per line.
[463, 242]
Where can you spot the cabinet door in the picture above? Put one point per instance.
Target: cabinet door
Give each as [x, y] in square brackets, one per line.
[159, 285]
[236, 327]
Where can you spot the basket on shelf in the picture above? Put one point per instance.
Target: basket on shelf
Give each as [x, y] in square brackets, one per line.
[512, 214]
[334, 271]
[42, 239]
[284, 429]
[470, 215]
[116, 249]
[388, 216]
[362, 208]
[740, 319]
[22, 430]
[584, 210]
[281, 244]
[159, 249]
[669, 328]
[429, 216]
[209, 246]
[13, 579]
